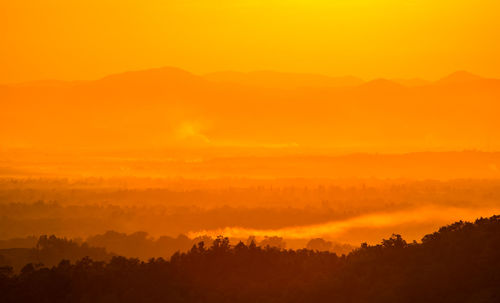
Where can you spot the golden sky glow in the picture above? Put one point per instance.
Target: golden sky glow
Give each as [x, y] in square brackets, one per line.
[78, 39]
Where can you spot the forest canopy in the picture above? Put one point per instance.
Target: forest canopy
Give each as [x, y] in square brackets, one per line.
[458, 263]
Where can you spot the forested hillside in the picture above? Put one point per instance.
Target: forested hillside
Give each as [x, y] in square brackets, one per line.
[459, 263]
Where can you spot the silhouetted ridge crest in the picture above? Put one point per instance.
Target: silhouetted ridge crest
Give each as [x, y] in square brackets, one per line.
[153, 77]
[460, 77]
[381, 85]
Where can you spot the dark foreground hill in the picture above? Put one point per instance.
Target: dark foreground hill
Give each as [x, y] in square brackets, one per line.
[459, 263]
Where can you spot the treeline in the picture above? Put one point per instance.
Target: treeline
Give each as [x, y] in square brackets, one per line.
[246, 192]
[30, 207]
[49, 250]
[459, 263]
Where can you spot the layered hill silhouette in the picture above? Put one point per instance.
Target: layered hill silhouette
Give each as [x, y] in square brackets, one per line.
[169, 107]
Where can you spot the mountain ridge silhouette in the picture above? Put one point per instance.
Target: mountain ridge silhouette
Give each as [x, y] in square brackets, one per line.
[459, 77]
[171, 106]
[162, 74]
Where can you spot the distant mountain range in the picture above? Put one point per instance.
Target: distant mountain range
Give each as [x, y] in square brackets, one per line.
[270, 79]
[168, 107]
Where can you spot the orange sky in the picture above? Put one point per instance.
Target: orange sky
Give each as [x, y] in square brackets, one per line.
[87, 39]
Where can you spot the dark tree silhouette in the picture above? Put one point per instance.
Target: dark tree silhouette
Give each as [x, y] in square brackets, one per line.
[459, 263]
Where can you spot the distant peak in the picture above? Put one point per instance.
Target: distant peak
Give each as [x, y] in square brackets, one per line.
[411, 82]
[156, 76]
[460, 77]
[381, 83]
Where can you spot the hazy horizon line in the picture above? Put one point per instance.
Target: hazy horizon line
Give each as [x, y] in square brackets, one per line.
[204, 74]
